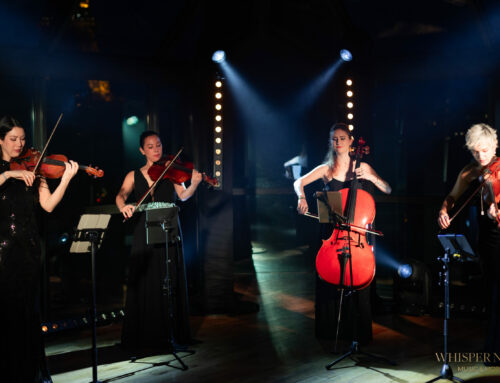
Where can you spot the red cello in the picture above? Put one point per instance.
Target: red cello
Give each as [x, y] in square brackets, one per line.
[359, 208]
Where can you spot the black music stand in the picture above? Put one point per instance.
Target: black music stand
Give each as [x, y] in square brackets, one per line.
[162, 227]
[88, 237]
[455, 247]
[329, 211]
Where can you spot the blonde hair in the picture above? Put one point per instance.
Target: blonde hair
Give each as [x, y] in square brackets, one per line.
[480, 132]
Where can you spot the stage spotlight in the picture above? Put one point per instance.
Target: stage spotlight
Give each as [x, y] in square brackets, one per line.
[218, 129]
[350, 116]
[349, 93]
[218, 106]
[345, 55]
[132, 120]
[218, 118]
[218, 140]
[405, 271]
[219, 56]
[218, 84]
[351, 127]
[348, 82]
[63, 238]
[218, 95]
[350, 105]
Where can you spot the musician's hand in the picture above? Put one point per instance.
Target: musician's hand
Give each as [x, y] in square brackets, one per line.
[492, 212]
[302, 207]
[70, 171]
[23, 175]
[196, 177]
[127, 210]
[443, 219]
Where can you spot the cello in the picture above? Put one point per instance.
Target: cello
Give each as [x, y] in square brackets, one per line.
[346, 256]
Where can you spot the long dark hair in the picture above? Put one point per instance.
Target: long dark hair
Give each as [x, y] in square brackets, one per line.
[7, 123]
[331, 156]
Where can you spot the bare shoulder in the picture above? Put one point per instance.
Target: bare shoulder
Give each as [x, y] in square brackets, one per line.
[469, 173]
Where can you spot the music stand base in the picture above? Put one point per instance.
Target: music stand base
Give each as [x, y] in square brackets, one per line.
[446, 374]
[355, 349]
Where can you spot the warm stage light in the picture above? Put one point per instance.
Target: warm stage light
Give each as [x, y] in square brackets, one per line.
[350, 116]
[218, 95]
[218, 118]
[45, 328]
[348, 82]
[218, 106]
[349, 93]
[218, 163]
[345, 55]
[351, 127]
[219, 56]
[217, 173]
[218, 152]
[218, 129]
[218, 84]
[350, 105]
[218, 140]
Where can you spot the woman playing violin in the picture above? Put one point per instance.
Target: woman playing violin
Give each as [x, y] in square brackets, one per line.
[337, 173]
[21, 349]
[482, 142]
[145, 324]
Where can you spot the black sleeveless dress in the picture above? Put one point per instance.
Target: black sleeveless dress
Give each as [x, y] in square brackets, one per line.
[146, 324]
[489, 252]
[356, 308]
[22, 357]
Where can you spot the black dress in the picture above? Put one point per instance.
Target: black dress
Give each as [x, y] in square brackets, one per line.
[489, 251]
[356, 308]
[22, 357]
[146, 324]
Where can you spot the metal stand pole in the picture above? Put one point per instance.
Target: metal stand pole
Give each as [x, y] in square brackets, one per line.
[93, 237]
[446, 372]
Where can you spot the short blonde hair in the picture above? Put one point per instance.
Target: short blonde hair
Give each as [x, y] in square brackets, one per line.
[480, 132]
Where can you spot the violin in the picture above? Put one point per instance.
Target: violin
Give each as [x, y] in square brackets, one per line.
[346, 256]
[491, 175]
[178, 172]
[52, 166]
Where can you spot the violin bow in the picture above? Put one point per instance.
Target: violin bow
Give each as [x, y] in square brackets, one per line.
[141, 200]
[47, 144]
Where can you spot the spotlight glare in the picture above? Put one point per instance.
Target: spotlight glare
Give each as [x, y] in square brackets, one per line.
[350, 105]
[219, 56]
[218, 84]
[349, 93]
[351, 127]
[345, 55]
[405, 271]
[218, 106]
[218, 152]
[218, 140]
[218, 129]
[217, 173]
[132, 120]
[217, 162]
[350, 116]
[348, 82]
[218, 118]
[218, 95]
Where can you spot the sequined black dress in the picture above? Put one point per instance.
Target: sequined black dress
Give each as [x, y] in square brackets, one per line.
[21, 347]
[356, 308]
[146, 324]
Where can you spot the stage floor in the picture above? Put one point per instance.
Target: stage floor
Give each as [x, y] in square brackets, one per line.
[277, 343]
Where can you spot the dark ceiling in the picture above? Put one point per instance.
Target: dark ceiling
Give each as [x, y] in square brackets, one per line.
[186, 32]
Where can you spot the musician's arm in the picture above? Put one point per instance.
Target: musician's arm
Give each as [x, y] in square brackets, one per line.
[461, 184]
[121, 198]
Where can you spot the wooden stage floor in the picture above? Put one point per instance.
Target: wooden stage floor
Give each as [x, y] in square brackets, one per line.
[277, 343]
